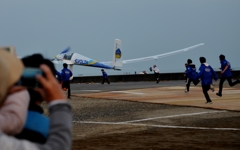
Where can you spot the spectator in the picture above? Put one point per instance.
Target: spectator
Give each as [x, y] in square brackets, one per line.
[13, 110]
[36, 127]
[60, 130]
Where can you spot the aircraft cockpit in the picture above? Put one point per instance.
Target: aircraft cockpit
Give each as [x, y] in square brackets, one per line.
[67, 56]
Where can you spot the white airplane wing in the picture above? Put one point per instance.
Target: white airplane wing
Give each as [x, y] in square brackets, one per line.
[155, 57]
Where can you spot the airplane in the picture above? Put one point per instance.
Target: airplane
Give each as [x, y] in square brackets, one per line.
[78, 59]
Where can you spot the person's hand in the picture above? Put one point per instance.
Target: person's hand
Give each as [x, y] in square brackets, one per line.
[14, 89]
[51, 90]
[222, 72]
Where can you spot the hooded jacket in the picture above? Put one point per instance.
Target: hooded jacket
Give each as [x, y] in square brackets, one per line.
[191, 71]
[206, 73]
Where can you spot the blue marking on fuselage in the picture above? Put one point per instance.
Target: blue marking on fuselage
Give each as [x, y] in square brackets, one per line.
[81, 62]
[97, 64]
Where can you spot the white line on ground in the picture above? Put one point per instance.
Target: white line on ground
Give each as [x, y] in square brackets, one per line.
[125, 92]
[158, 126]
[180, 115]
[91, 90]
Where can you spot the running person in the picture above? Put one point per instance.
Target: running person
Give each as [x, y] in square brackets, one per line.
[191, 75]
[156, 73]
[105, 77]
[206, 73]
[226, 74]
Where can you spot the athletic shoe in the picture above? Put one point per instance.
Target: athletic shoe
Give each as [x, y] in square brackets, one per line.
[208, 103]
[212, 88]
[186, 91]
[220, 95]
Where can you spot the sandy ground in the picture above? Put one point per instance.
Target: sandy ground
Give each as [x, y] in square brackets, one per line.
[107, 124]
[213, 130]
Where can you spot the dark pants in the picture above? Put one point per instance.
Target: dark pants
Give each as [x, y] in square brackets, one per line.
[205, 89]
[66, 84]
[157, 77]
[106, 80]
[195, 82]
[229, 79]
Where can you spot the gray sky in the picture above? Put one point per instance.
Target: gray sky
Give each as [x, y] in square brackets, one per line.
[146, 27]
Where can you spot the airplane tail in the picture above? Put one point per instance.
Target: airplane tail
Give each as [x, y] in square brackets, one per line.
[117, 53]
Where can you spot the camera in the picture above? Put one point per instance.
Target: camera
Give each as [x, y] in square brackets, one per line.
[28, 77]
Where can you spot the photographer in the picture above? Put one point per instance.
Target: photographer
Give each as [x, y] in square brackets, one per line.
[60, 130]
[36, 128]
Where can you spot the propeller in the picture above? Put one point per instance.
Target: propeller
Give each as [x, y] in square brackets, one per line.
[66, 50]
[63, 52]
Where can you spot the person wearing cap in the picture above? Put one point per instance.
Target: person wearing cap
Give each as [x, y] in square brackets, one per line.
[60, 130]
[105, 77]
[66, 75]
[226, 74]
[191, 75]
[14, 100]
[206, 73]
[156, 73]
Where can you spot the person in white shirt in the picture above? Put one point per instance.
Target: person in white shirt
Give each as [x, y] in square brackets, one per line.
[156, 73]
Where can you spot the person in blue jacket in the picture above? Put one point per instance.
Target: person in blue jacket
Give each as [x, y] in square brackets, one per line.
[66, 74]
[206, 73]
[59, 76]
[191, 75]
[105, 77]
[226, 74]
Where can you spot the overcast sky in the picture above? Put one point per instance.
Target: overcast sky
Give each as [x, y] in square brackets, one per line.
[146, 27]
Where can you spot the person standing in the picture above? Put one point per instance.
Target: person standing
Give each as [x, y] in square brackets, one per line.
[156, 73]
[191, 75]
[66, 75]
[206, 73]
[225, 74]
[105, 77]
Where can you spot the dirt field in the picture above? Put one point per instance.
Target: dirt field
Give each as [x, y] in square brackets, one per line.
[107, 124]
[96, 126]
[162, 138]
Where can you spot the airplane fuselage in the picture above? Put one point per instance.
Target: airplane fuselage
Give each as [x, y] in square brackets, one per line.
[77, 59]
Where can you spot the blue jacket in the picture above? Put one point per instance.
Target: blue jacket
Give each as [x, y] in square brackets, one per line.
[104, 74]
[59, 76]
[206, 73]
[66, 74]
[191, 71]
[227, 73]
